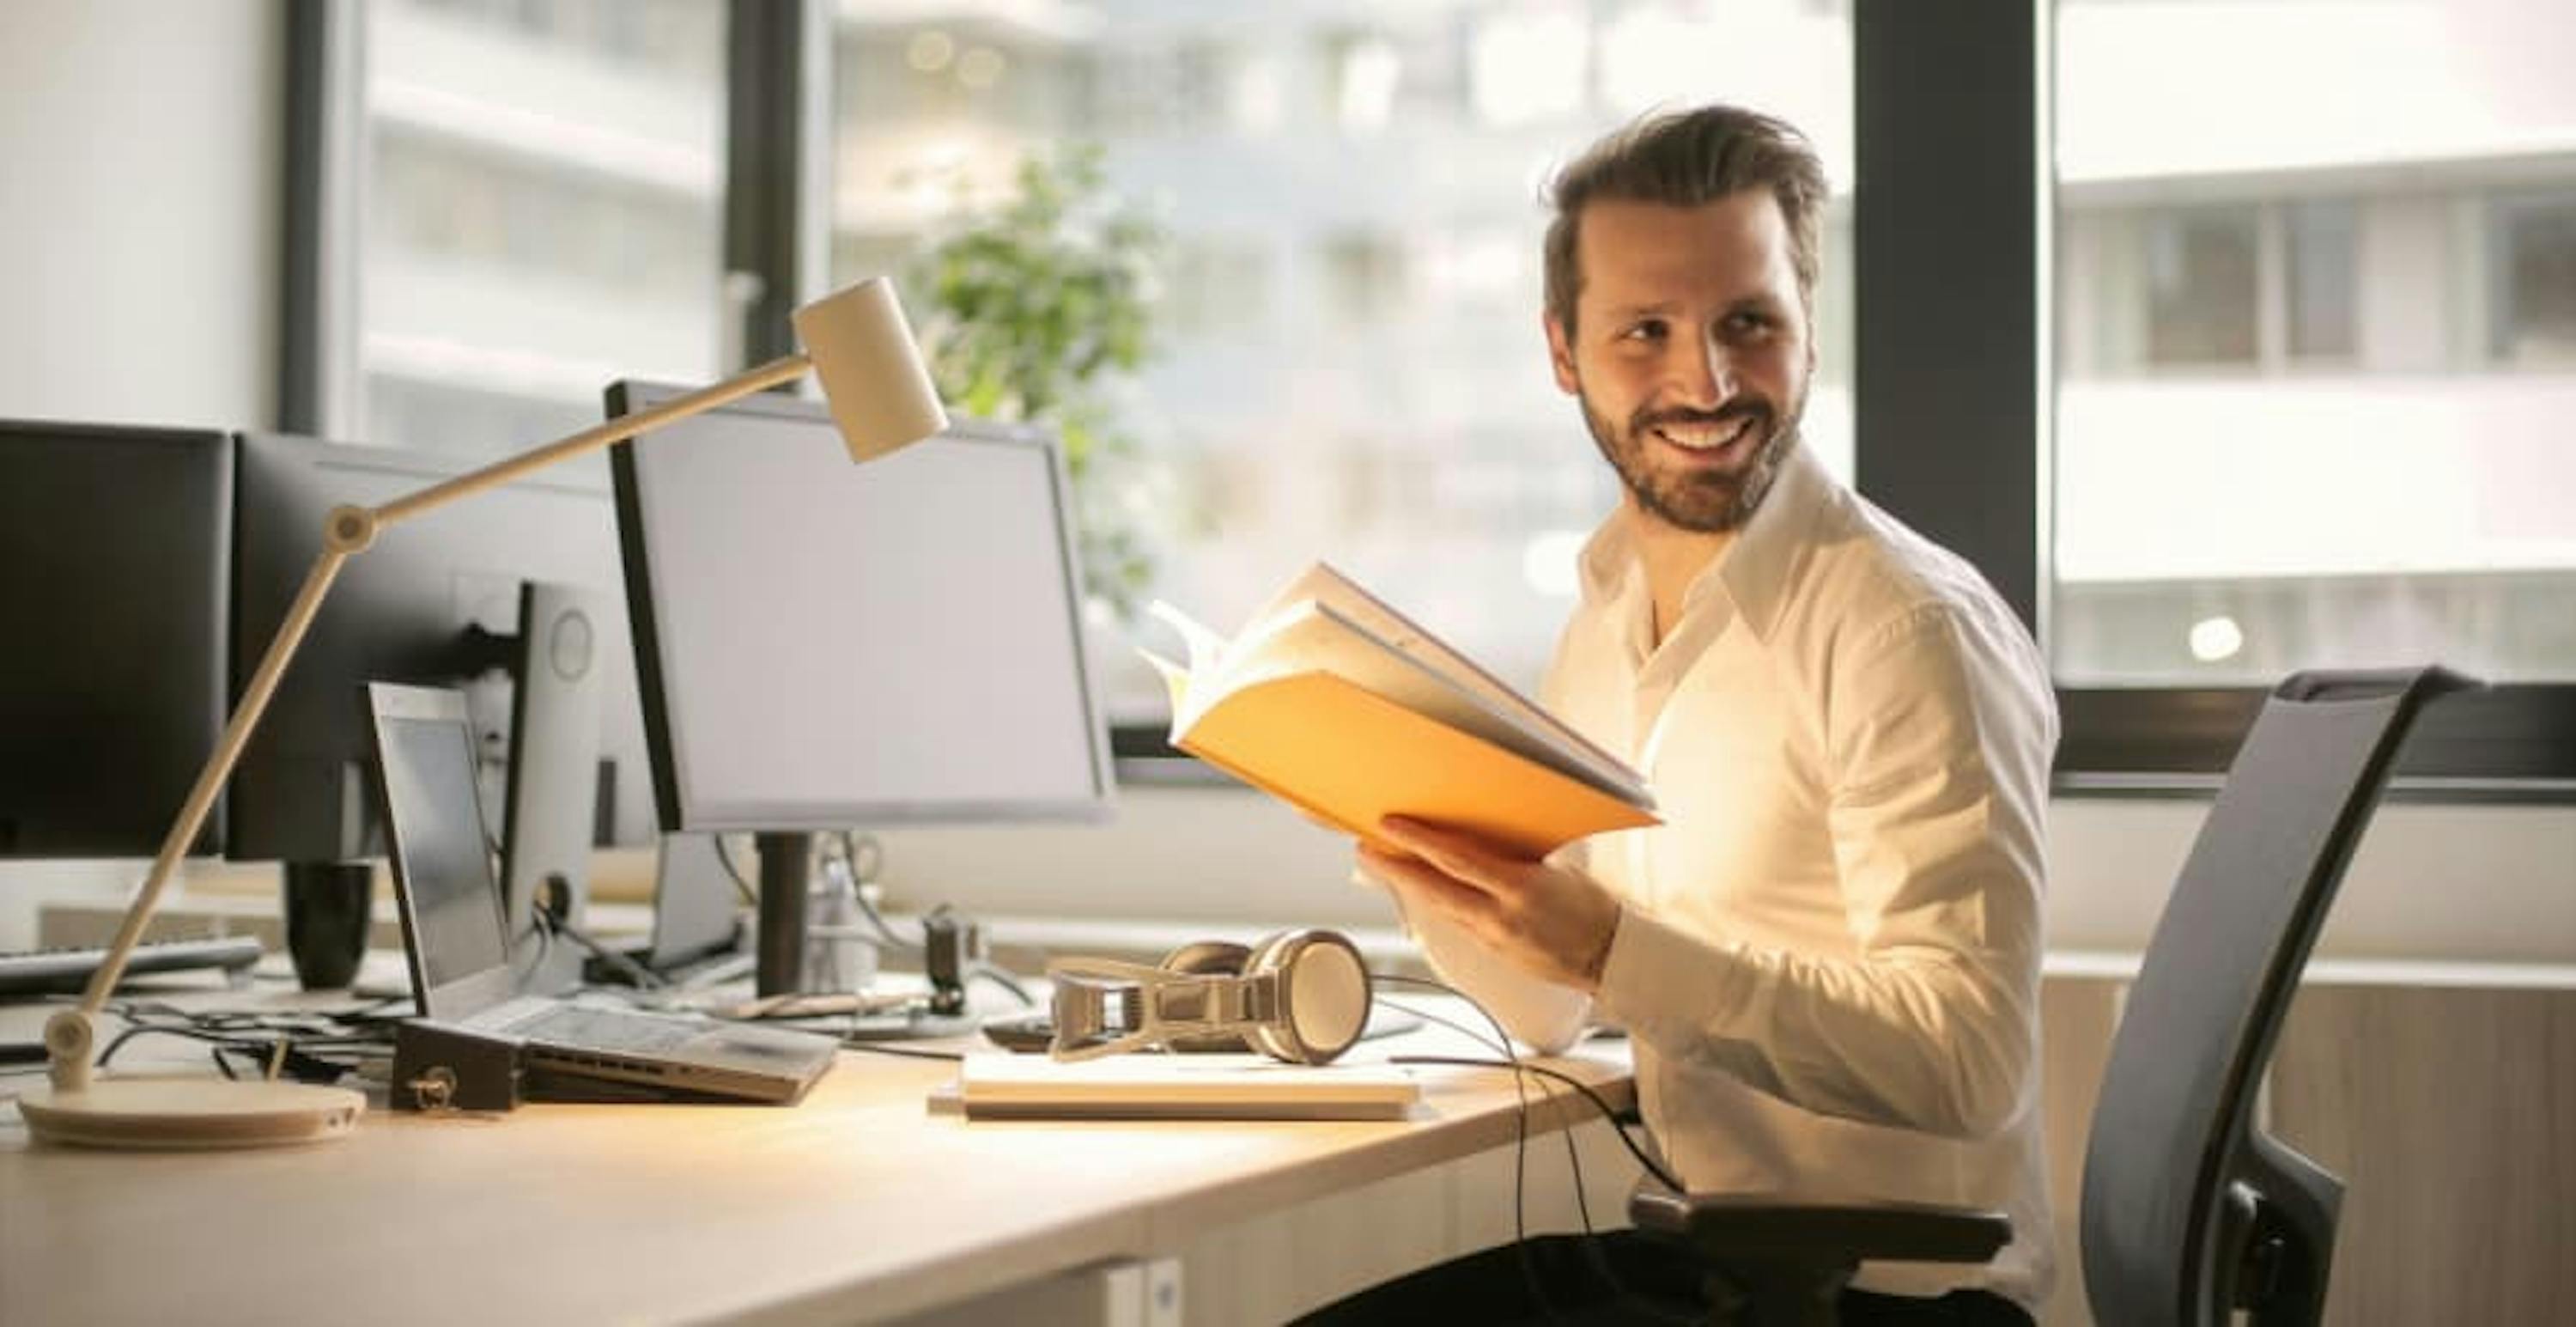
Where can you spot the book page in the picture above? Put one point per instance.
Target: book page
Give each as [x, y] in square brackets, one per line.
[1176, 681]
[1207, 649]
[1325, 585]
[1571, 750]
[1312, 637]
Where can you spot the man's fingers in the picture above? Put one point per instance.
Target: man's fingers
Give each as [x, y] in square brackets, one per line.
[1465, 908]
[1461, 855]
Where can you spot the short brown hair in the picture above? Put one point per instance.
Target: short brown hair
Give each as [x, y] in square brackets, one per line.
[1685, 159]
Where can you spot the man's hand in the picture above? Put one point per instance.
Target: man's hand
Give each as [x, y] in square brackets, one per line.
[1553, 922]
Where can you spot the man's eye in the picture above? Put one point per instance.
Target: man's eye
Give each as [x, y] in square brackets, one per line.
[1650, 330]
[1747, 324]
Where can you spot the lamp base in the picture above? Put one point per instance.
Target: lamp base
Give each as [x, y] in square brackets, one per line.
[186, 1114]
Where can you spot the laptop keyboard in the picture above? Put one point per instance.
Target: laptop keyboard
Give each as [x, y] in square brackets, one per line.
[604, 1029]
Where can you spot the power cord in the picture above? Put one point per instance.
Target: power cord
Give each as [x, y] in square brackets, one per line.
[741, 884]
[866, 857]
[300, 1046]
[644, 978]
[1520, 1136]
[1512, 1061]
[1573, 1155]
[995, 974]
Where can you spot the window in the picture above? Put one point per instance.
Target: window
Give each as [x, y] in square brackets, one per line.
[2324, 271]
[2311, 361]
[2280, 441]
[2534, 262]
[541, 186]
[2200, 270]
[2226, 288]
[1350, 363]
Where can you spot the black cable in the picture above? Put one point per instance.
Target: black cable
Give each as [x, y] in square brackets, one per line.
[1573, 1154]
[1520, 1139]
[643, 977]
[862, 876]
[545, 946]
[994, 974]
[1652, 1166]
[724, 858]
[324, 1027]
[1608, 1114]
[278, 1051]
[1591, 1246]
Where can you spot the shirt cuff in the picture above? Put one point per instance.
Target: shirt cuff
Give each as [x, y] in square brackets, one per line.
[1649, 967]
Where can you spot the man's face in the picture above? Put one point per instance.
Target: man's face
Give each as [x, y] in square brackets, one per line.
[1690, 352]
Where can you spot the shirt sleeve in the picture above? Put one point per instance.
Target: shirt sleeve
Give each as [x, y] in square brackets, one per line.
[1538, 1013]
[1938, 732]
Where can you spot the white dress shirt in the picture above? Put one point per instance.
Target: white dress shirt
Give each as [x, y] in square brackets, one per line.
[1828, 953]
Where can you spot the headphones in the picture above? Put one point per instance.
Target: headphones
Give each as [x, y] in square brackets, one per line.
[1299, 996]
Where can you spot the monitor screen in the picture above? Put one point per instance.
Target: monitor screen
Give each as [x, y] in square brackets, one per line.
[824, 644]
[114, 542]
[405, 611]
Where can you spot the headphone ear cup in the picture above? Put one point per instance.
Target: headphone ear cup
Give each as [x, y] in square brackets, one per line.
[1324, 995]
[1209, 958]
[1265, 1037]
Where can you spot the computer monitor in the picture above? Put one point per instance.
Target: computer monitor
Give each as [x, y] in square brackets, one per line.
[823, 646]
[113, 547]
[436, 601]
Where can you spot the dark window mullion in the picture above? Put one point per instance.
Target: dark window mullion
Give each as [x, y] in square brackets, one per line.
[770, 78]
[1950, 397]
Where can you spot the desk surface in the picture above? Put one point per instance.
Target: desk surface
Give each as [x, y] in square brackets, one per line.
[858, 1203]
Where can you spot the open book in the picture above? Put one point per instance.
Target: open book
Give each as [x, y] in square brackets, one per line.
[1338, 705]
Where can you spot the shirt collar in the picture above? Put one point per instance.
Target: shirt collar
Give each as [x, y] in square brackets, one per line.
[1754, 571]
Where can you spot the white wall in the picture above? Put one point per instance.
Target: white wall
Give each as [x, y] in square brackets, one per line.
[140, 146]
[140, 151]
[2460, 883]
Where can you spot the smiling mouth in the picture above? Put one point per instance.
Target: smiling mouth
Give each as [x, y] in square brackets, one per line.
[1706, 438]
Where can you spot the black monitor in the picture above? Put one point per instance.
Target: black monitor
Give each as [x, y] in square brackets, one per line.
[825, 645]
[113, 547]
[436, 601]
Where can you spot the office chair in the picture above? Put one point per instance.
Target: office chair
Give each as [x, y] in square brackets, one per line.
[2189, 1212]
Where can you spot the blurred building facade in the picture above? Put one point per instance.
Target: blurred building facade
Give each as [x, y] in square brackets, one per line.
[2315, 273]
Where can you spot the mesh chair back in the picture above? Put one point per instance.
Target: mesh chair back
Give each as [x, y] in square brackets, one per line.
[2187, 1210]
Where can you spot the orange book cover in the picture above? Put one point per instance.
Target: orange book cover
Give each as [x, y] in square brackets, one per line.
[1341, 707]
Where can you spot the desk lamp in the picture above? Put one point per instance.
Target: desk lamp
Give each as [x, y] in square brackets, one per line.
[880, 398]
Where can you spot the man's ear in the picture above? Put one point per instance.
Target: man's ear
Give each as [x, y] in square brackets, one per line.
[1560, 355]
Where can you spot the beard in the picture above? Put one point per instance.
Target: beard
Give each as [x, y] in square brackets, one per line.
[1704, 500]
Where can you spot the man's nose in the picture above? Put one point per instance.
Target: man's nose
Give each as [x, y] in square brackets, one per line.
[1702, 374]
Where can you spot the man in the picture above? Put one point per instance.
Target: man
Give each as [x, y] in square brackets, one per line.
[1827, 957]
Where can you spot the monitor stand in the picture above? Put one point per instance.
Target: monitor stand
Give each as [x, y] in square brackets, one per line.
[786, 876]
[554, 769]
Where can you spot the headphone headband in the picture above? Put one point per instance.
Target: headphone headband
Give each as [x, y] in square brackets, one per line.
[1300, 996]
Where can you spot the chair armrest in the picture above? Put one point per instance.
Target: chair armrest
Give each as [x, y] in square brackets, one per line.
[1770, 1227]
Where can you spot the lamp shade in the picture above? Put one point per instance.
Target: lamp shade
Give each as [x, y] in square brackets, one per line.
[871, 371]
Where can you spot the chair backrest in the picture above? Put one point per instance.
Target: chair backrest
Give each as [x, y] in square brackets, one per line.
[2188, 1211]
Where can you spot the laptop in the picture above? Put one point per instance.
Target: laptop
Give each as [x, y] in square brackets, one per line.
[450, 898]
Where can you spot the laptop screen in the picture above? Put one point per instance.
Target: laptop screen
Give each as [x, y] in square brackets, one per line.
[443, 873]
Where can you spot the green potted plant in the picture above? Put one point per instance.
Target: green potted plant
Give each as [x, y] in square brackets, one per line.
[1034, 310]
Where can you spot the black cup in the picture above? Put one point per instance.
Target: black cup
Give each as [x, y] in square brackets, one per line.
[326, 920]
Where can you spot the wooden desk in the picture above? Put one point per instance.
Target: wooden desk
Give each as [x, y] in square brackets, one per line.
[859, 1204]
